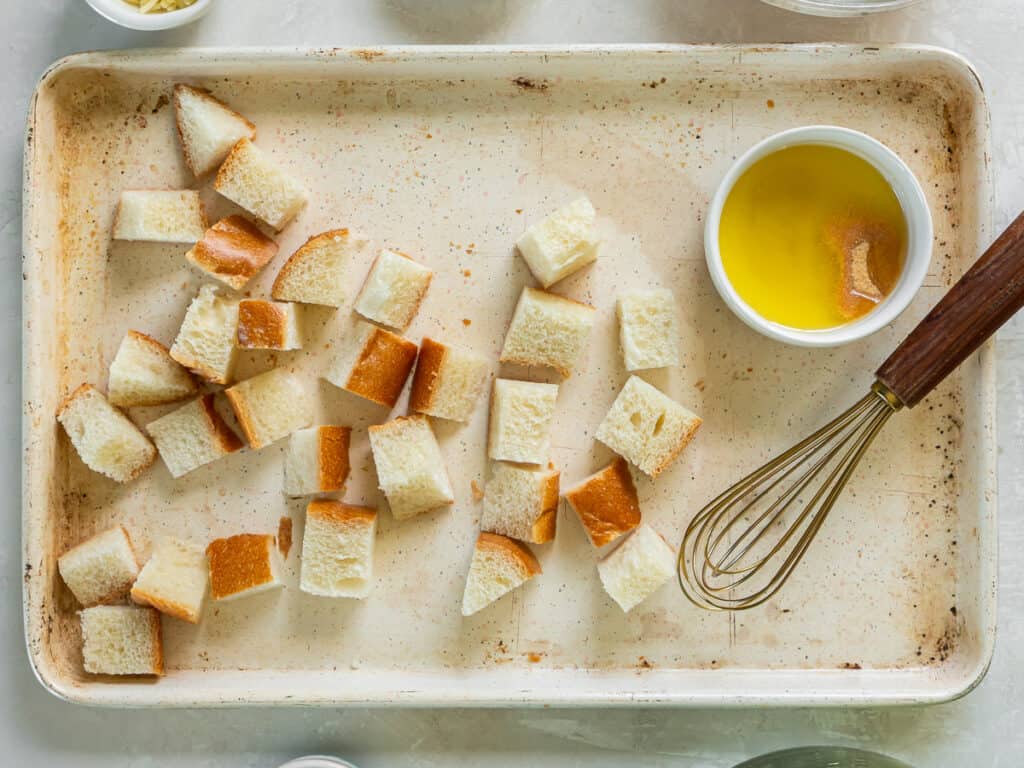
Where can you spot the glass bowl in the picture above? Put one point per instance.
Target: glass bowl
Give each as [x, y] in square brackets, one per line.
[841, 7]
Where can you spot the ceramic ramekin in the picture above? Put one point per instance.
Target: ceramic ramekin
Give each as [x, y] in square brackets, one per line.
[915, 209]
[128, 15]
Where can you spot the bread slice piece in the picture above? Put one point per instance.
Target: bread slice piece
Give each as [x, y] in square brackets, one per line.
[208, 128]
[648, 329]
[547, 330]
[317, 460]
[606, 503]
[373, 363]
[206, 340]
[499, 565]
[393, 290]
[522, 503]
[174, 580]
[448, 381]
[192, 435]
[160, 216]
[243, 565]
[337, 549]
[316, 272]
[410, 468]
[144, 373]
[647, 427]
[104, 438]
[101, 569]
[121, 640]
[233, 251]
[251, 178]
[270, 406]
[520, 425]
[637, 567]
[268, 325]
[562, 243]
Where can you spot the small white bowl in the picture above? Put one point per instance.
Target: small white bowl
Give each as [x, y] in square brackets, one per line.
[915, 209]
[128, 15]
[317, 761]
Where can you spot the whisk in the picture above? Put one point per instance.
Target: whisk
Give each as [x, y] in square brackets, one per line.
[742, 547]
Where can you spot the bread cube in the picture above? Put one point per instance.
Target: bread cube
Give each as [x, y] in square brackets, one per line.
[174, 580]
[268, 325]
[547, 330]
[520, 426]
[647, 427]
[206, 340]
[637, 567]
[648, 329]
[160, 216]
[316, 272]
[243, 565]
[251, 178]
[393, 290]
[410, 468]
[607, 503]
[522, 503]
[270, 406]
[448, 381]
[121, 640]
[144, 373]
[208, 128]
[192, 435]
[499, 566]
[101, 569]
[337, 550]
[373, 363]
[562, 243]
[104, 438]
[317, 460]
[233, 251]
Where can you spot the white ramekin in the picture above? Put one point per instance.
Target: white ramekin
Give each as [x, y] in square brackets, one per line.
[127, 15]
[915, 209]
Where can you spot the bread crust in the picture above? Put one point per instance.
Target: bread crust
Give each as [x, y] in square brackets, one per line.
[225, 436]
[382, 367]
[170, 607]
[261, 325]
[233, 250]
[510, 549]
[606, 503]
[546, 523]
[683, 442]
[428, 372]
[205, 95]
[340, 512]
[300, 254]
[332, 456]
[239, 562]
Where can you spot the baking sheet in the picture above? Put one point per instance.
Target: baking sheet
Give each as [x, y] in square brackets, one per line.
[448, 154]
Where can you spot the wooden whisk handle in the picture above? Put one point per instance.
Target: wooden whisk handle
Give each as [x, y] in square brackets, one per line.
[988, 295]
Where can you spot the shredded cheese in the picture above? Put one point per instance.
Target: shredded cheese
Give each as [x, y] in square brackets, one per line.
[160, 6]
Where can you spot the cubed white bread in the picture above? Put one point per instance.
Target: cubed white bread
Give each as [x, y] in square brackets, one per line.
[174, 580]
[105, 439]
[206, 340]
[317, 460]
[448, 381]
[337, 549]
[268, 325]
[499, 565]
[562, 243]
[208, 128]
[144, 373]
[160, 215]
[637, 567]
[121, 640]
[101, 569]
[606, 502]
[393, 290]
[317, 272]
[647, 427]
[233, 251]
[243, 565]
[547, 330]
[410, 468]
[648, 329]
[372, 363]
[522, 503]
[192, 435]
[520, 424]
[252, 179]
[270, 406]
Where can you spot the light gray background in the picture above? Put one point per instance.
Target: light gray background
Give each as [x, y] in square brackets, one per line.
[985, 729]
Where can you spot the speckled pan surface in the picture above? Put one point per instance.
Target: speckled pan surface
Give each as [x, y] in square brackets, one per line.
[447, 154]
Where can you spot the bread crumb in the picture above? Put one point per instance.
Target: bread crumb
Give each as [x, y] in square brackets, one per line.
[533, 657]
[467, 322]
[284, 536]
[478, 495]
[699, 385]
[467, 273]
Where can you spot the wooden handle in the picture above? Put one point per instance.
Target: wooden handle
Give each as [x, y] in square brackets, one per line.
[988, 295]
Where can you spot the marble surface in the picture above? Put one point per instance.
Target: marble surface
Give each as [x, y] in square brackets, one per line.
[984, 729]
